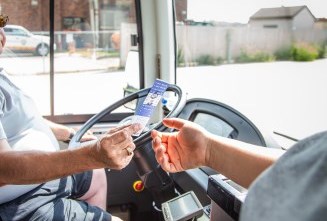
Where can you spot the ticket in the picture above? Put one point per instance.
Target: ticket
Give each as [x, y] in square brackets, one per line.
[145, 111]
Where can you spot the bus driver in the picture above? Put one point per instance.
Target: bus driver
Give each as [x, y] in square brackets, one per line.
[40, 182]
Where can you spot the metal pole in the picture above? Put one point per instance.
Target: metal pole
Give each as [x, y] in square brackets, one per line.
[51, 8]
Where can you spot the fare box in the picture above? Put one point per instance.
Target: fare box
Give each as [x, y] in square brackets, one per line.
[145, 111]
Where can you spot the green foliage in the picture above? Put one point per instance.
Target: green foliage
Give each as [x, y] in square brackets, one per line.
[209, 60]
[301, 52]
[284, 54]
[219, 60]
[180, 57]
[322, 51]
[304, 52]
[254, 57]
[206, 60]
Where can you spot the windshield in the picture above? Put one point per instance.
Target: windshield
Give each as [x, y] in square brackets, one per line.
[264, 58]
[91, 43]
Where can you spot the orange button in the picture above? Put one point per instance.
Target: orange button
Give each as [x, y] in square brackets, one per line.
[138, 186]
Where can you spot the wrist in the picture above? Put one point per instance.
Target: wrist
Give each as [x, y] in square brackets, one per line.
[71, 133]
[212, 152]
[88, 156]
[95, 154]
[208, 152]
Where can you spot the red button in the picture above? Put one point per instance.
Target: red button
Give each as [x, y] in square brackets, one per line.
[138, 186]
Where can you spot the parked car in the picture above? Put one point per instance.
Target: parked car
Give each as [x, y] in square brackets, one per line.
[19, 39]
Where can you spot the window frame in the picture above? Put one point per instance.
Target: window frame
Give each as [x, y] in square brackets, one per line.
[81, 118]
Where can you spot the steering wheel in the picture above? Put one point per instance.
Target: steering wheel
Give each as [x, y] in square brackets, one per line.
[140, 96]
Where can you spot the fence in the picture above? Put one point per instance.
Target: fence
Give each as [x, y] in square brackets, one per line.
[228, 43]
[195, 41]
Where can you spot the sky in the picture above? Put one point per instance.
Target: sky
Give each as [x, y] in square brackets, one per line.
[241, 10]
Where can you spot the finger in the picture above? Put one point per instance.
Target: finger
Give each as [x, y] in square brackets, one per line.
[111, 131]
[129, 154]
[88, 137]
[175, 123]
[164, 161]
[160, 155]
[126, 133]
[131, 128]
[124, 144]
[157, 138]
[164, 136]
[89, 132]
[129, 151]
[130, 146]
[134, 128]
[158, 144]
[154, 134]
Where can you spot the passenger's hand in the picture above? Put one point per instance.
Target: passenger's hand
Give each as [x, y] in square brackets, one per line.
[115, 149]
[180, 150]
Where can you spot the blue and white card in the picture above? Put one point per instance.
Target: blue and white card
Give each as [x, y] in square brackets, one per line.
[143, 114]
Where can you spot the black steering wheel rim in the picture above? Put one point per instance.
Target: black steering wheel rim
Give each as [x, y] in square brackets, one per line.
[144, 137]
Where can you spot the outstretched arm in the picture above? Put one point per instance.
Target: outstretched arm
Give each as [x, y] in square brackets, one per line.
[28, 167]
[192, 146]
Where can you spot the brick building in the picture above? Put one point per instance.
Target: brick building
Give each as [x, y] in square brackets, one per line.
[73, 14]
[34, 14]
[181, 10]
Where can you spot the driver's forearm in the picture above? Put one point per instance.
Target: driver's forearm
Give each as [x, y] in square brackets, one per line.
[61, 132]
[239, 161]
[28, 167]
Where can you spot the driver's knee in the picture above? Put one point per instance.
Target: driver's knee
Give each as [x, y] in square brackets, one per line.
[115, 218]
[97, 192]
[99, 180]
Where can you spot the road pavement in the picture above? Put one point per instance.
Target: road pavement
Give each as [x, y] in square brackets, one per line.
[286, 97]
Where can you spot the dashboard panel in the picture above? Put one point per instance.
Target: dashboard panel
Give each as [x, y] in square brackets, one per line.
[221, 120]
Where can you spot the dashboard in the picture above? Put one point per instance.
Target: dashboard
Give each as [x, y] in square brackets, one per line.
[217, 118]
[221, 120]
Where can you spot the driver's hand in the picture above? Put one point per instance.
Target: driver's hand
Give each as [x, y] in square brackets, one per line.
[88, 136]
[180, 150]
[115, 149]
[116, 129]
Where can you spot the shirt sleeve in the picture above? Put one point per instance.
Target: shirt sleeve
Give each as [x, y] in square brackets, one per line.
[294, 188]
[2, 104]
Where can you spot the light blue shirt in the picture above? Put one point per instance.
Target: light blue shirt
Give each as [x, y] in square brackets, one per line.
[294, 188]
[23, 127]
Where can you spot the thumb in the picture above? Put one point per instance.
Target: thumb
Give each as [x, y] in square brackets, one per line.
[175, 123]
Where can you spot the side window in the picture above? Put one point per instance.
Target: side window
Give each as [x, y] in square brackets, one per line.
[264, 58]
[19, 32]
[92, 47]
[8, 31]
[91, 43]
